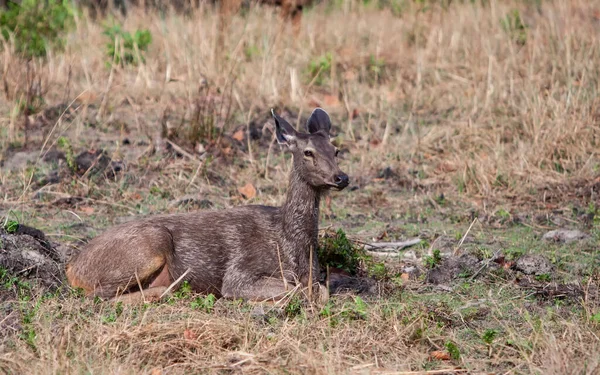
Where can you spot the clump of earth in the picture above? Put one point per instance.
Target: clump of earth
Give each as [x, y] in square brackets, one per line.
[26, 253]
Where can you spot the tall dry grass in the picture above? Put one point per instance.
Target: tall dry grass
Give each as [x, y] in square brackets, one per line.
[449, 93]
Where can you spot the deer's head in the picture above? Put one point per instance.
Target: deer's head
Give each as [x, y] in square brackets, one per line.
[315, 157]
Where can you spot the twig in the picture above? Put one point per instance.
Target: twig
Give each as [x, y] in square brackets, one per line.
[464, 237]
[200, 164]
[140, 286]
[392, 246]
[180, 150]
[382, 253]
[174, 283]
[310, 279]
[285, 285]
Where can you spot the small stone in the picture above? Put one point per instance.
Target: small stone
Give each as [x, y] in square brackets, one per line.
[387, 173]
[564, 236]
[534, 264]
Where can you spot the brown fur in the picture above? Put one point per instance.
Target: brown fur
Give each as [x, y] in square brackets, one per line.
[238, 253]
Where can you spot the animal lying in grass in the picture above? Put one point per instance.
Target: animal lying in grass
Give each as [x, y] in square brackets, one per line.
[251, 252]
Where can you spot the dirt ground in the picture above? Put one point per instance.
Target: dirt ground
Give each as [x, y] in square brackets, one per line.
[453, 128]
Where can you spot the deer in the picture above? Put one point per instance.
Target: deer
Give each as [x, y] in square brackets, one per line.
[252, 252]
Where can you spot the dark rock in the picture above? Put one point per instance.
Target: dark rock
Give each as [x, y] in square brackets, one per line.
[387, 173]
[565, 236]
[54, 155]
[534, 264]
[341, 282]
[452, 267]
[53, 177]
[92, 162]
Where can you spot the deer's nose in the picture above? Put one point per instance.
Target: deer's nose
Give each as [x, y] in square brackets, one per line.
[341, 180]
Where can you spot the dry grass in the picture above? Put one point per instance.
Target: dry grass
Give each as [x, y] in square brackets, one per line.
[458, 98]
[446, 97]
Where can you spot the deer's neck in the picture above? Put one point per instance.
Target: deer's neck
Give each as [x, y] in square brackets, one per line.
[300, 220]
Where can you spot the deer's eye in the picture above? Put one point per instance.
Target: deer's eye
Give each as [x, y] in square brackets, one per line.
[308, 153]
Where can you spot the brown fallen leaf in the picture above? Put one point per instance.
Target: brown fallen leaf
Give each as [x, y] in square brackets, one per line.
[331, 101]
[440, 355]
[313, 102]
[189, 335]
[248, 191]
[156, 371]
[87, 209]
[405, 276]
[239, 135]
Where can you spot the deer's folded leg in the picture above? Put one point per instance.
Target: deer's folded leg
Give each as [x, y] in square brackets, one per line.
[264, 289]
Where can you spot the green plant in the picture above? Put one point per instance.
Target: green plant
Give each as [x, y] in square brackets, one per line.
[11, 226]
[204, 303]
[320, 68]
[503, 214]
[595, 318]
[489, 336]
[28, 314]
[184, 291]
[453, 350]
[113, 315]
[124, 48]
[251, 52]
[376, 270]
[433, 260]
[514, 26]
[376, 69]
[337, 251]
[9, 281]
[34, 26]
[65, 144]
[356, 310]
[543, 277]
[294, 307]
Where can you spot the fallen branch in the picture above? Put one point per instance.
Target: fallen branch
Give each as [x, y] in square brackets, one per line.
[391, 246]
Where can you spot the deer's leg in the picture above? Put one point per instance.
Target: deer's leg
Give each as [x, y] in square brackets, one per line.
[264, 289]
[267, 289]
[146, 295]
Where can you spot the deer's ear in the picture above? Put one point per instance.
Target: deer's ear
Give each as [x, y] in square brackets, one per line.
[285, 133]
[318, 120]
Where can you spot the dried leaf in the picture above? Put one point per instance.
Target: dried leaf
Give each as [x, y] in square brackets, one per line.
[189, 335]
[156, 371]
[239, 135]
[440, 355]
[331, 101]
[248, 191]
[405, 276]
[313, 102]
[87, 209]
